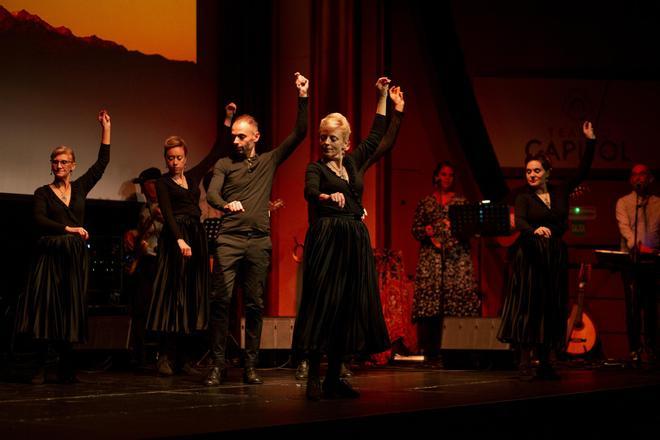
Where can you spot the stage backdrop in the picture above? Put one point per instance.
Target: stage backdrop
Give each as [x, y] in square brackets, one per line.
[530, 115]
[64, 61]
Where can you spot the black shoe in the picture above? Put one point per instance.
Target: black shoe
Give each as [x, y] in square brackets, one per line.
[251, 377]
[303, 370]
[344, 372]
[313, 390]
[339, 389]
[215, 377]
[164, 366]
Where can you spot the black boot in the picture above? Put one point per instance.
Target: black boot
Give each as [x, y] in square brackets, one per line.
[251, 377]
[302, 371]
[344, 371]
[216, 376]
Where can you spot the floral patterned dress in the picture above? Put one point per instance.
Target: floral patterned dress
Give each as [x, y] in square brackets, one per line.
[444, 282]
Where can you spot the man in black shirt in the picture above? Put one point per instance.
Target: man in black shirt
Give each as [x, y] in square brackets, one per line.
[241, 187]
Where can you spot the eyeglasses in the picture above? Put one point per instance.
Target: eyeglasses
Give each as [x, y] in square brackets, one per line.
[60, 162]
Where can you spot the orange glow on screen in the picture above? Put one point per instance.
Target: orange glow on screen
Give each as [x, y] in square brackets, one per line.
[164, 27]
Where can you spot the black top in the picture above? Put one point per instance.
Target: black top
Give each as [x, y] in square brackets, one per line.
[320, 179]
[52, 215]
[250, 182]
[175, 200]
[532, 213]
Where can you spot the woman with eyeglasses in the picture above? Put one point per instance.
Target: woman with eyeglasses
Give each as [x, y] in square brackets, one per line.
[53, 309]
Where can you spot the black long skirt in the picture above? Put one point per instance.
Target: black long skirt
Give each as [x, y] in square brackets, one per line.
[179, 303]
[535, 309]
[53, 305]
[340, 310]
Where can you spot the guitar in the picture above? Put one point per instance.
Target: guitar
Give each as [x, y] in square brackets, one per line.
[581, 332]
[141, 235]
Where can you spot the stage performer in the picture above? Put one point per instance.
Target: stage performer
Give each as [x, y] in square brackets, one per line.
[340, 312]
[179, 304]
[53, 308]
[241, 188]
[535, 309]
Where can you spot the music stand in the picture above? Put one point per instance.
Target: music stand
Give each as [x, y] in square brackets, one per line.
[479, 219]
[483, 219]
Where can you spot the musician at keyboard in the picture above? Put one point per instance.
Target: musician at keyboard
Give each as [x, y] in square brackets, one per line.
[638, 218]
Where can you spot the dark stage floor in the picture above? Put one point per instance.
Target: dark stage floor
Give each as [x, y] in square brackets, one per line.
[395, 401]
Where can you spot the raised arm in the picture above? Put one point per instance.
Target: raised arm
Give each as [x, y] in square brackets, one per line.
[389, 139]
[587, 158]
[370, 143]
[383, 85]
[95, 172]
[222, 147]
[293, 140]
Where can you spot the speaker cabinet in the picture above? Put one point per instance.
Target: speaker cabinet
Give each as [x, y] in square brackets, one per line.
[108, 332]
[276, 333]
[471, 334]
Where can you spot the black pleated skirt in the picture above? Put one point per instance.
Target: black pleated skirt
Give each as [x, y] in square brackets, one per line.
[340, 310]
[535, 308]
[180, 297]
[53, 305]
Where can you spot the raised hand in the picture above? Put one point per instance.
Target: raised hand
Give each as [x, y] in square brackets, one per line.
[230, 110]
[302, 84]
[382, 85]
[104, 119]
[396, 95]
[588, 130]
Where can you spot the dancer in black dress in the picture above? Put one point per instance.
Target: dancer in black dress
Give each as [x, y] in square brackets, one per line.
[340, 312]
[179, 305]
[53, 308]
[535, 310]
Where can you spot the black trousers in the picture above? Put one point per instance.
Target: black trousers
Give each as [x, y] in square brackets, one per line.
[641, 292]
[249, 255]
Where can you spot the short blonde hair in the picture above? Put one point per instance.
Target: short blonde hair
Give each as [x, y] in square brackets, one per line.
[337, 120]
[173, 142]
[63, 149]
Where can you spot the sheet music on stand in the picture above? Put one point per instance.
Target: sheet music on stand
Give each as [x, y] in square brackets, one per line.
[482, 219]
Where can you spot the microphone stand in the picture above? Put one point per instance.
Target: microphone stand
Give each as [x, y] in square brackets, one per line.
[635, 269]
